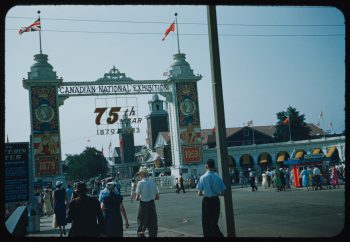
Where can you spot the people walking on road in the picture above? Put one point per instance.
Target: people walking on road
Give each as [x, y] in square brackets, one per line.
[133, 190]
[210, 186]
[305, 178]
[252, 176]
[264, 182]
[113, 209]
[177, 185]
[85, 214]
[181, 181]
[60, 202]
[268, 177]
[334, 177]
[47, 203]
[316, 172]
[146, 192]
[69, 192]
[277, 180]
[283, 179]
[38, 203]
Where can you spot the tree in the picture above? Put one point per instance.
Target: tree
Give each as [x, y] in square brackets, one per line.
[298, 128]
[90, 163]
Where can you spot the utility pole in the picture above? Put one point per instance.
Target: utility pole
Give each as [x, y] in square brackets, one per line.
[226, 205]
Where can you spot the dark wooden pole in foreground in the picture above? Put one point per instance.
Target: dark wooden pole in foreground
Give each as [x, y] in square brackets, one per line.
[226, 205]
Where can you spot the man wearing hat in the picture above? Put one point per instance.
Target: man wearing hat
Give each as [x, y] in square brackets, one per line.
[85, 214]
[146, 192]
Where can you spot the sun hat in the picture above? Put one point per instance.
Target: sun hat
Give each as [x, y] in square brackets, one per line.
[58, 183]
[142, 170]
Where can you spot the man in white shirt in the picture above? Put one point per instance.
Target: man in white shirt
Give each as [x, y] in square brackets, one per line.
[146, 192]
[316, 173]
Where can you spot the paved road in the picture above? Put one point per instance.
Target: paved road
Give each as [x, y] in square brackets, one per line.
[265, 213]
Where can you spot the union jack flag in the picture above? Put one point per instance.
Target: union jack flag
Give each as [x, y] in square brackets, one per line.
[36, 26]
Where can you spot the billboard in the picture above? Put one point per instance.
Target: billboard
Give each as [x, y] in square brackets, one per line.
[189, 123]
[16, 172]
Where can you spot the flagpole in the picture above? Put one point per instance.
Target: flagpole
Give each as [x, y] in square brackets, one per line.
[290, 134]
[39, 32]
[177, 34]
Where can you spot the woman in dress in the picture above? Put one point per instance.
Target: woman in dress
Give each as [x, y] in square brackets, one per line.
[305, 178]
[277, 180]
[264, 182]
[47, 203]
[113, 209]
[60, 202]
[334, 175]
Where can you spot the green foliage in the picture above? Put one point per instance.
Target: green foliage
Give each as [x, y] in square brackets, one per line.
[298, 127]
[90, 163]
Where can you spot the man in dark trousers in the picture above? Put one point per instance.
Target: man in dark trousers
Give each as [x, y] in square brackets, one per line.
[146, 192]
[181, 181]
[210, 186]
[84, 212]
[252, 176]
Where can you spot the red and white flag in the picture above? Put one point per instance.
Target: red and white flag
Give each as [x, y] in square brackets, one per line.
[36, 26]
[286, 121]
[168, 30]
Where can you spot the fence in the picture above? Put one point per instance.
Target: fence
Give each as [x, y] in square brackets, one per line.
[163, 182]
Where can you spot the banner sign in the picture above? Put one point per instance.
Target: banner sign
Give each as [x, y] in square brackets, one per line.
[46, 138]
[81, 90]
[191, 154]
[46, 154]
[189, 123]
[16, 172]
[109, 112]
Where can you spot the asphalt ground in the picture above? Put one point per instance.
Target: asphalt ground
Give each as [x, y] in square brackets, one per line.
[294, 213]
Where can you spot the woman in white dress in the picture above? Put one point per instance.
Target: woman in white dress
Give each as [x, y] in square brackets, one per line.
[47, 203]
[264, 180]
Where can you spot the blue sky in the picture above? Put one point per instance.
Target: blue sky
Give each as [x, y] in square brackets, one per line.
[271, 58]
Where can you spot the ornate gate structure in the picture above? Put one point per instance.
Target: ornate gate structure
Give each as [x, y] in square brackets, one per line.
[47, 93]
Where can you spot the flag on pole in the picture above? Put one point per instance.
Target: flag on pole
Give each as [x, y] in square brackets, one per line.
[250, 123]
[36, 26]
[286, 121]
[168, 30]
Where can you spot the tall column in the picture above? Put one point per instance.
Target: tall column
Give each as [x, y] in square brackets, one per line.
[42, 84]
[184, 123]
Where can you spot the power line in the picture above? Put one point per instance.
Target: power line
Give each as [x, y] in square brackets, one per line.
[190, 34]
[186, 23]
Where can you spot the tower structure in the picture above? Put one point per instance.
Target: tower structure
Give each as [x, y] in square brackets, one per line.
[184, 121]
[126, 141]
[42, 84]
[157, 119]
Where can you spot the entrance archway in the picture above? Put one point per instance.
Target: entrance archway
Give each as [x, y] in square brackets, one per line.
[47, 93]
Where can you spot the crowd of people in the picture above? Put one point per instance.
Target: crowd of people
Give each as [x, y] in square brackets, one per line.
[99, 211]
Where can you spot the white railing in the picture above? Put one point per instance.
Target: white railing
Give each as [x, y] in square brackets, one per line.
[163, 182]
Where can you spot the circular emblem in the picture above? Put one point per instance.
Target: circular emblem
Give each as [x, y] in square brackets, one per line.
[44, 113]
[188, 107]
